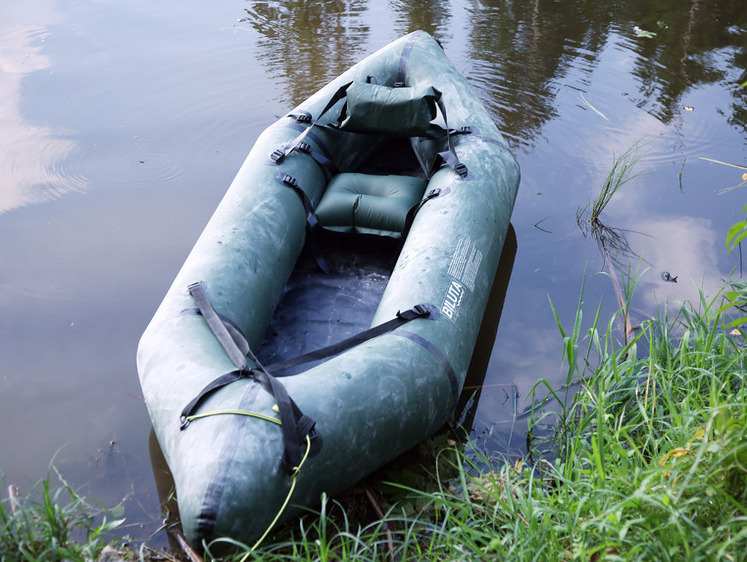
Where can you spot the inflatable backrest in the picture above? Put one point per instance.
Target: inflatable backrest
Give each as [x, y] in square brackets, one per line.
[383, 110]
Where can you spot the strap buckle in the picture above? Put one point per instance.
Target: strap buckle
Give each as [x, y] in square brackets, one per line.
[466, 130]
[421, 310]
[399, 84]
[303, 117]
[417, 311]
[462, 170]
[289, 180]
[304, 147]
[277, 155]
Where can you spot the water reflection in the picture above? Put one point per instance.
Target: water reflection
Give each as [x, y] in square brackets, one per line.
[306, 44]
[522, 52]
[433, 16]
[31, 156]
[164, 104]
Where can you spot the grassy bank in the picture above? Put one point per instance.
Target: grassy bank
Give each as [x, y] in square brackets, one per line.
[647, 460]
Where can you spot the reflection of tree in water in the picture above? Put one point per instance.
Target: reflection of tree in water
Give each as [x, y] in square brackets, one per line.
[307, 43]
[432, 16]
[681, 55]
[739, 108]
[523, 50]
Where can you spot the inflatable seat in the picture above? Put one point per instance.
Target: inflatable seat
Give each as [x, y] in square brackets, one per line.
[369, 204]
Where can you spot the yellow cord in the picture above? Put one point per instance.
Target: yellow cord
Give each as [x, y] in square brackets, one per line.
[237, 412]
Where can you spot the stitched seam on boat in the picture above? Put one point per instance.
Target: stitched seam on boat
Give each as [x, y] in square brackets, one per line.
[214, 492]
[405, 57]
[440, 357]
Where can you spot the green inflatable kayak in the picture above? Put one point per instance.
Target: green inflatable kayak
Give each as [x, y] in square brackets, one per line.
[325, 319]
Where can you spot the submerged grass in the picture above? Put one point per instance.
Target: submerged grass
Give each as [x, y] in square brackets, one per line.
[612, 242]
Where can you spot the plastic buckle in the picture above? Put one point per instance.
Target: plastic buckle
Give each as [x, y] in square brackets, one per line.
[462, 170]
[421, 310]
[289, 180]
[303, 117]
[435, 192]
[463, 131]
[277, 156]
[399, 84]
[304, 147]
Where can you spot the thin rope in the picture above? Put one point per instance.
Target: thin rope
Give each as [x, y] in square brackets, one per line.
[297, 471]
[237, 412]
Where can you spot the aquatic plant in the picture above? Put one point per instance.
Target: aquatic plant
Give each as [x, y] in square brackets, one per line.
[612, 242]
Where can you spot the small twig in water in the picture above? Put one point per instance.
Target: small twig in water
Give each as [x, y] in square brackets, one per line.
[13, 497]
[680, 174]
[536, 225]
[188, 550]
[723, 163]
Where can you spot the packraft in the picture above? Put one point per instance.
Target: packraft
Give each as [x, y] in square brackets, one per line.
[325, 319]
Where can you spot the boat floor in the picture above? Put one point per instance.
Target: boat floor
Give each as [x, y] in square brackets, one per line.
[319, 309]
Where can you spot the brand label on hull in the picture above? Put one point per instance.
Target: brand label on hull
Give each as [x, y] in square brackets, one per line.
[463, 270]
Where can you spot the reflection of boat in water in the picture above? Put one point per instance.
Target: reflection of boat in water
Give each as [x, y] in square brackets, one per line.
[478, 367]
[414, 209]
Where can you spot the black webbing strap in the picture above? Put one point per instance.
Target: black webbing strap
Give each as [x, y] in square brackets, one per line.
[460, 137]
[432, 194]
[328, 167]
[418, 311]
[311, 222]
[438, 356]
[322, 156]
[449, 156]
[300, 127]
[278, 155]
[235, 351]
[295, 425]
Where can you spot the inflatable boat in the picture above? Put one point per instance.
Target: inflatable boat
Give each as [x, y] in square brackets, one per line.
[325, 319]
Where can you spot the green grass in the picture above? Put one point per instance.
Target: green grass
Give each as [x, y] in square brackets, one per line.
[53, 522]
[647, 460]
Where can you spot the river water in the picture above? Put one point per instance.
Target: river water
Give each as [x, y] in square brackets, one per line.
[123, 122]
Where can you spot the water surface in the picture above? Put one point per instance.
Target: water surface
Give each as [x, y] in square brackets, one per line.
[122, 124]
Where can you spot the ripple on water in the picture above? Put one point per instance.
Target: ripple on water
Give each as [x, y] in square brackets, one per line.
[130, 162]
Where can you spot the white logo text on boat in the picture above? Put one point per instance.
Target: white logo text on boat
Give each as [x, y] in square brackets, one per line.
[453, 299]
